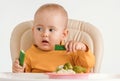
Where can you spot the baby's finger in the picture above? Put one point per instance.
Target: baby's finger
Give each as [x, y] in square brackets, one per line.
[74, 46]
[66, 46]
[70, 46]
[17, 69]
[21, 70]
[18, 66]
[14, 69]
[16, 61]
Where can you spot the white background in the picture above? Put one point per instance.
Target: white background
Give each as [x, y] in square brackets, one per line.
[104, 14]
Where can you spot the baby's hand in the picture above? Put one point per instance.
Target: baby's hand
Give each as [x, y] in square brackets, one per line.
[73, 46]
[16, 68]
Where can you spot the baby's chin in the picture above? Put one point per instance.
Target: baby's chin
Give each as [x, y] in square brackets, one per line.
[46, 49]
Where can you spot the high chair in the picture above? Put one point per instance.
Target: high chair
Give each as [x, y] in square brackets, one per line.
[21, 38]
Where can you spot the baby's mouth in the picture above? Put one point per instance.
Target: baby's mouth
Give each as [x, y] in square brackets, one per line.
[45, 42]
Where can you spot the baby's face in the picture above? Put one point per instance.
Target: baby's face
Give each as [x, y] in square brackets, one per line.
[49, 29]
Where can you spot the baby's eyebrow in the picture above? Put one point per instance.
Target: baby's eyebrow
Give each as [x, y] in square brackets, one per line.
[51, 26]
[38, 25]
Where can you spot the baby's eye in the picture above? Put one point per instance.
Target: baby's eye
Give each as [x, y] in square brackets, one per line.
[51, 30]
[39, 29]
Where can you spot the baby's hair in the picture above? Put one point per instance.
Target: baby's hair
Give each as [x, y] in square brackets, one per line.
[54, 7]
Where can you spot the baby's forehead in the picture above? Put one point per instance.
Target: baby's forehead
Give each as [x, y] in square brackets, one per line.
[53, 11]
[52, 8]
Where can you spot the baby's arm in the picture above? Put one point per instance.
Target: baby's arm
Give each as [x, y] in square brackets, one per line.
[16, 68]
[84, 57]
[73, 46]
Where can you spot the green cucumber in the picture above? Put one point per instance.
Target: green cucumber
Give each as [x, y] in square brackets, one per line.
[60, 47]
[21, 57]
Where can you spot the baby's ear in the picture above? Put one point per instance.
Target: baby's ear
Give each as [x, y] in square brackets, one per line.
[65, 33]
[32, 29]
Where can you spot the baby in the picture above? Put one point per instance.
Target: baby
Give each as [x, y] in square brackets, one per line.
[49, 29]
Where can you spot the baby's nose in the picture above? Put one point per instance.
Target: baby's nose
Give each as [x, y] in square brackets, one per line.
[45, 34]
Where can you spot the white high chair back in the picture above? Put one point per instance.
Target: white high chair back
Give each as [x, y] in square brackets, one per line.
[21, 38]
